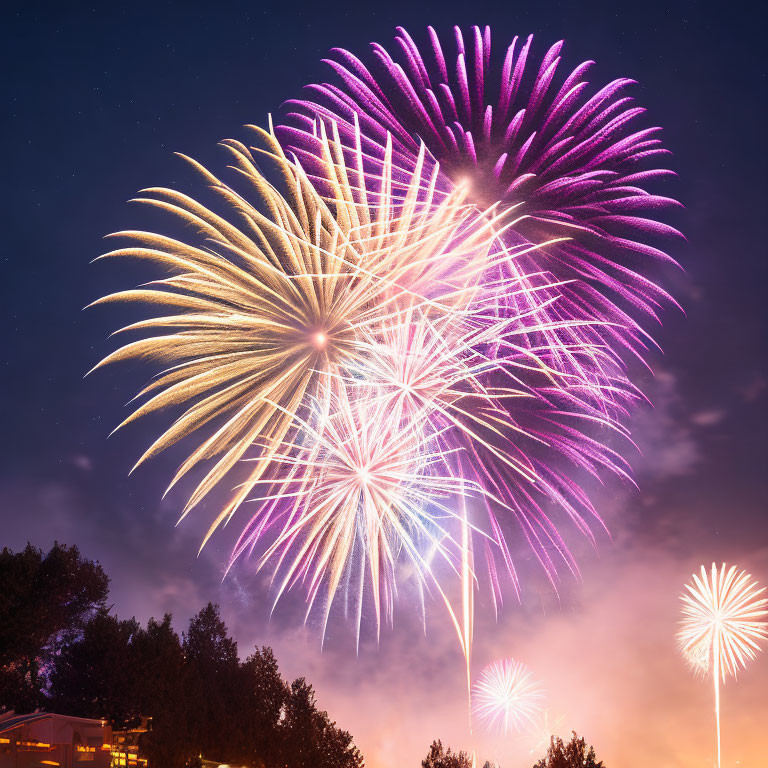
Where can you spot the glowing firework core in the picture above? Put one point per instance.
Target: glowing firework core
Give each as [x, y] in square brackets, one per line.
[320, 339]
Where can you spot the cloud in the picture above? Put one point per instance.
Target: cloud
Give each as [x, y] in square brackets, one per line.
[754, 388]
[663, 434]
[604, 650]
[708, 418]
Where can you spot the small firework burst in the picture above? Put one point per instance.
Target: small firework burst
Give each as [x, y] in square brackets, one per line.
[723, 622]
[722, 627]
[506, 697]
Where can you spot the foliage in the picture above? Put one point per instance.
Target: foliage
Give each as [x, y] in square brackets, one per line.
[213, 669]
[263, 694]
[574, 754]
[437, 757]
[94, 675]
[310, 738]
[45, 600]
[159, 660]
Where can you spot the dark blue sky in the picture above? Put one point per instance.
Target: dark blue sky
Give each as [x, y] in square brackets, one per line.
[98, 96]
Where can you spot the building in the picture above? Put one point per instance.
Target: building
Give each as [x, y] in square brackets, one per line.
[125, 746]
[48, 739]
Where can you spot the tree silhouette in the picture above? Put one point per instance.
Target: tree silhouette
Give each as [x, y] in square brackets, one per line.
[574, 754]
[95, 674]
[261, 699]
[212, 669]
[310, 738]
[45, 600]
[120, 672]
[162, 694]
[437, 757]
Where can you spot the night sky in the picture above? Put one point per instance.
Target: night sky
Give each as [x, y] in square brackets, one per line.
[98, 99]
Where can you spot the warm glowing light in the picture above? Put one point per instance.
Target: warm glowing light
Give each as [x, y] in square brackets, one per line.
[506, 698]
[722, 625]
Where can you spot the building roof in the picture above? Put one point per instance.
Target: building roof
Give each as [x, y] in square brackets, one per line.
[17, 720]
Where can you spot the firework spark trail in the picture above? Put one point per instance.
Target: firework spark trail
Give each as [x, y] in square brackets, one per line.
[559, 337]
[506, 697]
[722, 626]
[544, 732]
[417, 375]
[370, 489]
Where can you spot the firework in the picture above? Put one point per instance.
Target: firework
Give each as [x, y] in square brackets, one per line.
[269, 307]
[722, 625]
[573, 169]
[381, 283]
[360, 278]
[506, 697]
[363, 492]
[573, 161]
[400, 332]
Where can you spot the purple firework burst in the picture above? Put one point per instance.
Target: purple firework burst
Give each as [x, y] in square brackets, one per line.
[575, 161]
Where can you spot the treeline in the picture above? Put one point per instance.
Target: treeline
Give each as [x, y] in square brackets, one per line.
[572, 754]
[61, 649]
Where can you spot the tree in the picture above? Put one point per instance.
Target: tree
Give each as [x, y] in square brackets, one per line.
[212, 667]
[261, 698]
[45, 600]
[94, 674]
[310, 738]
[75, 656]
[162, 693]
[437, 757]
[574, 754]
[120, 672]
